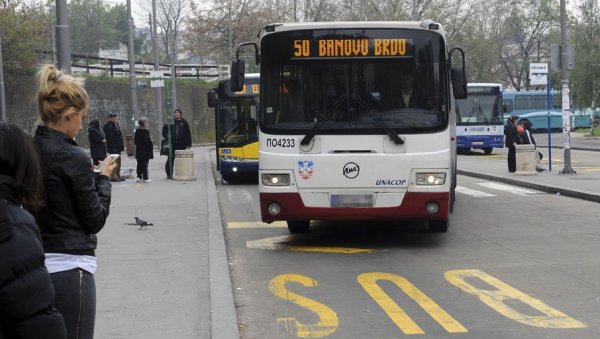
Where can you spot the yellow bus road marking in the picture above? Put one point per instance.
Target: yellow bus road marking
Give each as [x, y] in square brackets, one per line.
[328, 320]
[370, 282]
[279, 243]
[588, 169]
[256, 224]
[342, 250]
[501, 296]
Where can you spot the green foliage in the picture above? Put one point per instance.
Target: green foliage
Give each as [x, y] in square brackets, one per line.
[94, 25]
[585, 77]
[25, 29]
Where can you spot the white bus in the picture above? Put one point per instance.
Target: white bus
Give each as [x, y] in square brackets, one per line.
[479, 118]
[338, 137]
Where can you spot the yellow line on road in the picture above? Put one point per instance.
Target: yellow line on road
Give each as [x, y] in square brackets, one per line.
[341, 250]
[256, 224]
[278, 243]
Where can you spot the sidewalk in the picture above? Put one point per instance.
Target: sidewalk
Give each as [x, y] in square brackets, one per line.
[170, 280]
[582, 185]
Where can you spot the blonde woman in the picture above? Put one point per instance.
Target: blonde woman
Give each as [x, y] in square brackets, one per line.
[76, 200]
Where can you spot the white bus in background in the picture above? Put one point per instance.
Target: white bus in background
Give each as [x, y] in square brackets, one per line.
[336, 142]
[479, 118]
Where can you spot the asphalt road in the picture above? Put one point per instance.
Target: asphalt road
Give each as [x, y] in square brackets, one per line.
[515, 263]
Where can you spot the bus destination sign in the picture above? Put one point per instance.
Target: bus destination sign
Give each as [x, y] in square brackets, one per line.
[351, 48]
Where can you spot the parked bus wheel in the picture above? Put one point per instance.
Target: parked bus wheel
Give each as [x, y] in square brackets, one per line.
[298, 226]
[487, 150]
[438, 226]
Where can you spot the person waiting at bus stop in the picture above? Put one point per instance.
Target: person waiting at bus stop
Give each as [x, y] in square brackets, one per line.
[511, 139]
[179, 137]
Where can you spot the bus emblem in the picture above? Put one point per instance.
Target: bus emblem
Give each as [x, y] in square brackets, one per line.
[305, 168]
[351, 170]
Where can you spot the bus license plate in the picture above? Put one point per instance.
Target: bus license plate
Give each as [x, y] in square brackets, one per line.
[477, 143]
[351, 200]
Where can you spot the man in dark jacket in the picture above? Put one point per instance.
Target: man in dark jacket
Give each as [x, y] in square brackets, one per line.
[114, 143]
[179, 136]
[511, 139]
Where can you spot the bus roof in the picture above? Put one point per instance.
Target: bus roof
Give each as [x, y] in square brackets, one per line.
[292, 26]
[483, 84]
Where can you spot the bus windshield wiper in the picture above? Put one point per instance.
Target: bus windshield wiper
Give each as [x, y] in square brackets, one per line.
[397, 140]
[324, 118]
[311, 134]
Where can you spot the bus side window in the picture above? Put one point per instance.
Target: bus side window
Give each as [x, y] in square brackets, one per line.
[507, 105]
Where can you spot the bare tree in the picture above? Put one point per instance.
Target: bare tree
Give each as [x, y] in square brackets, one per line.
[217, 29]
[526, 33]
[170, 20]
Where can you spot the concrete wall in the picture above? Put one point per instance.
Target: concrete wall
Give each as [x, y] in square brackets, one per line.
[107, 96]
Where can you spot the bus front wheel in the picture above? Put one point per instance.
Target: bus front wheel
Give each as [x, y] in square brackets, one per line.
[438, 226]
[298, 226]
[487, 150]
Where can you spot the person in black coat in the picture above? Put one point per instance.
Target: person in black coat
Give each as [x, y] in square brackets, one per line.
[26, 290]
[511, 139]
[114, 143]
[76, 200]
[97, 142]
[143, 150]
[179, 136]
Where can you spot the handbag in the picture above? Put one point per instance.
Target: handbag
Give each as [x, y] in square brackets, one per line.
[164, 147]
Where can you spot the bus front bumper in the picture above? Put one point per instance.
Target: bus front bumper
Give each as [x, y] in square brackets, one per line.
[413, 206]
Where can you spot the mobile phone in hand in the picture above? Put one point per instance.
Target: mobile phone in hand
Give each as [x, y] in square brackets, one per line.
[99, 166]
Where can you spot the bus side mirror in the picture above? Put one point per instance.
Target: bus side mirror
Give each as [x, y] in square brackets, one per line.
[459, 83]
[237, 75]
[211, 98]
[457, 73]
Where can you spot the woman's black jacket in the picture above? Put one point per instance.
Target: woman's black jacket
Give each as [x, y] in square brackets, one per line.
[97, 147]
[77, 201]
[26, 291]
[143, 144]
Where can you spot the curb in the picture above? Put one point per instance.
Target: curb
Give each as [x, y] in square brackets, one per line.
[540, 187]
[223, 318]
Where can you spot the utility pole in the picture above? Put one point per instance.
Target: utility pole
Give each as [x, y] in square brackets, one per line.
[131, 55]
[413, 14]
[157, 90]
[63, 36]
[2, 97]
[564, 76]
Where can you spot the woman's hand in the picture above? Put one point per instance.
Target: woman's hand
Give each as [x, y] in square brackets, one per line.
[108, 167]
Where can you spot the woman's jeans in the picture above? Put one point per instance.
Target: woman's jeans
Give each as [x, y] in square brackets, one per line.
[142, 168]
[76, 301]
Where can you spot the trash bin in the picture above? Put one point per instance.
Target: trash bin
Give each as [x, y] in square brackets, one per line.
[525, 156]
[183, 165]
[129, 145]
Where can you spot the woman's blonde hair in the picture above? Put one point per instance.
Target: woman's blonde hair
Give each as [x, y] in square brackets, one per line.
[58, 92]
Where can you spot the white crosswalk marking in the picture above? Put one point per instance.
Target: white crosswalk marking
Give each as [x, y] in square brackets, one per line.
[508, 188]
[472, 192]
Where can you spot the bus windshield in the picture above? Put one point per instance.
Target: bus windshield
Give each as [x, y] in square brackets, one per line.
[482, 106]
[353, 81]
[237, 122]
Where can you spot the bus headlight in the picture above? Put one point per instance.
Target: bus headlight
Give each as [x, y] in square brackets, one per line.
[275, 179]
[431, 179]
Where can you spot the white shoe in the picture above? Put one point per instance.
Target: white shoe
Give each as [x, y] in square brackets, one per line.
[139, 180]
[147, 180]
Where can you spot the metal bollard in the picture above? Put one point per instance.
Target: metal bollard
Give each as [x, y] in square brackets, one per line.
[183, 165]
[526, 159]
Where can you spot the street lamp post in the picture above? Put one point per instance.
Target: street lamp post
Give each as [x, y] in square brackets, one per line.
[131, 55]
[63, 36]
[564, 75]
[2, 97]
